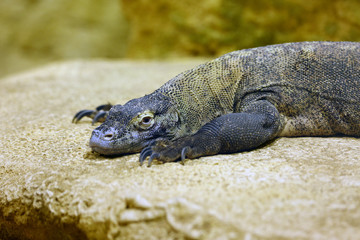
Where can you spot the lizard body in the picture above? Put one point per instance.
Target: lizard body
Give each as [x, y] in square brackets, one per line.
[240, 101]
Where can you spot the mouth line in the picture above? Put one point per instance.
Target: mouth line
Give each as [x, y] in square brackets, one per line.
[105, 148]
[105, 151]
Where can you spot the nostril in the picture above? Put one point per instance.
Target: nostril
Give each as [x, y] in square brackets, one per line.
[108, 136]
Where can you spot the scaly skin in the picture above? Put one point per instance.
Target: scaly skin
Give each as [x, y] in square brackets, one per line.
[240, 101]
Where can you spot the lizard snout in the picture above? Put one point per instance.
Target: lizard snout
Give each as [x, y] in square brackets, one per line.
[107, 135]
[101, 141]
[106, 142]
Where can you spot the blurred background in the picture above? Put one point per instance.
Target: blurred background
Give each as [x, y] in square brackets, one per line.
[35, 32]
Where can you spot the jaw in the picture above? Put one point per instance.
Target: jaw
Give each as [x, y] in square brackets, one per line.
[112, 147]
[105, 151]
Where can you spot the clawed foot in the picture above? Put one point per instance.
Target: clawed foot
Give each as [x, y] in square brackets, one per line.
[97, 115]
[167, 151]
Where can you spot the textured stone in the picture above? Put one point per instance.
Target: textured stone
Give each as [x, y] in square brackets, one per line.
[53, 187]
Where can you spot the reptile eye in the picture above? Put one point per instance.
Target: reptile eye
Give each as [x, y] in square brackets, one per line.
[145, 120]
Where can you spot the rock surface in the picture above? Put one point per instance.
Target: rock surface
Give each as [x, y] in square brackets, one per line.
[53, 187]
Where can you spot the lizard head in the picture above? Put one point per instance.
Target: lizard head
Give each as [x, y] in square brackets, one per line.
[131, 127]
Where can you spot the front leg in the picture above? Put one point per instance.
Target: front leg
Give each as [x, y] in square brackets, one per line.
[229, 133]
[192, 146]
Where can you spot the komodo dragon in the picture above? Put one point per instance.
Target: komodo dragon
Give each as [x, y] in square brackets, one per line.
[238, 102]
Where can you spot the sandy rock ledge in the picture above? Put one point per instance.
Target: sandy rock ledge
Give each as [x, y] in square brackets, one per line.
[53, 187]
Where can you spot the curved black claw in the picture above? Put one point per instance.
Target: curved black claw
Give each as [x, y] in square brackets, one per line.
[152, 157]
[83, 113]
[104, 107]
[98, 115]
[161, 151]
[144, 154]
[184, 151]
